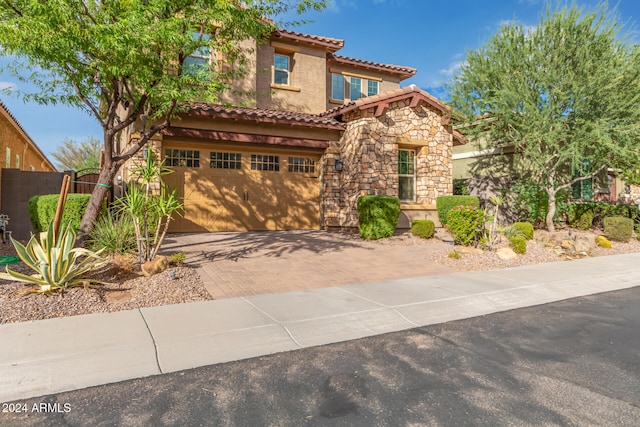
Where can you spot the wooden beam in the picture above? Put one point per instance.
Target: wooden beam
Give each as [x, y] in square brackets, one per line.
[415, 101]
[381, 109]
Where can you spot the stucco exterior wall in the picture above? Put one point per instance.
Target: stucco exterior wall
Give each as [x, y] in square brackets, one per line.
[386, 82]
[369, 151]
[307, 87]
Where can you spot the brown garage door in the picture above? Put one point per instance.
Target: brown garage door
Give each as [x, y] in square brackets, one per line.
[231, 189]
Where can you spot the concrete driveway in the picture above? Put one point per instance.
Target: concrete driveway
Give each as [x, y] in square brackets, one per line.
[236, 264]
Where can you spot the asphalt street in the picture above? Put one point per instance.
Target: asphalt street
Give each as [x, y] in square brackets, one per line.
[575, 362]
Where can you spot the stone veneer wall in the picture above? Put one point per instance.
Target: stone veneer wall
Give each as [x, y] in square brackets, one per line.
[369, 151]
[138, 159]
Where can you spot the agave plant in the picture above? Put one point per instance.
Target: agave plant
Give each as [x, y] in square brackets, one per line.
[58, 265]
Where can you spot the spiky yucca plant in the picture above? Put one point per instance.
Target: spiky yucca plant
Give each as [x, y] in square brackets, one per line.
[58, 265]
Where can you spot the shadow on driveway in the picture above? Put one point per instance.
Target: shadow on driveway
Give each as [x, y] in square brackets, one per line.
[210, 247]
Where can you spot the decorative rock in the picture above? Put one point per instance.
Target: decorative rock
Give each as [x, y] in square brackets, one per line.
[506, 254]
[584, 243]
[565, 244]
[155, 266]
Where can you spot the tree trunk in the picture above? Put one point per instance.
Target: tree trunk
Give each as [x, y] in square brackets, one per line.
[107, 174]
[552, 211]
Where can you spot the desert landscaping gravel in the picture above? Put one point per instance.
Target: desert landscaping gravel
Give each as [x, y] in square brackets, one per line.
[124, 287]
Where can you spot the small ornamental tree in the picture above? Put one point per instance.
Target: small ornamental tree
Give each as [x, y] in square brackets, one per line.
[126, 62]
[564, 93]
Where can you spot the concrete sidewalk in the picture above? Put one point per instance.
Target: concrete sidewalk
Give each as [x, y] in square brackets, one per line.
[55, 355]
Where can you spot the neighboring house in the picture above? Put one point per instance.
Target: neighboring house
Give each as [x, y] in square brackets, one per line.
[487, 169]
[17, 148]
[324, 130]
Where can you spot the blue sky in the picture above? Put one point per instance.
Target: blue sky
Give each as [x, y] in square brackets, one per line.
[429, 35]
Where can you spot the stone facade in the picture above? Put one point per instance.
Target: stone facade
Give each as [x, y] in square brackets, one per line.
[369, 152]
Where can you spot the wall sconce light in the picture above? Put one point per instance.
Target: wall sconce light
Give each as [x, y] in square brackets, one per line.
[339, 165]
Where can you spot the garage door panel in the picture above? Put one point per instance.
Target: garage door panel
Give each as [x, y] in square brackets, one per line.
[245, 199]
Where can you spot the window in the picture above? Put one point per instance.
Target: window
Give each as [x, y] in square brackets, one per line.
[263, 162]
[182, 158]
[407, 175]
[220, 160]
[337, 87]
[373, 87]
[282, 69]
[302, 164]
[17, 161]
[199, 60]
[8, 158]
[355, 91]
[351, 88]
[582, 189]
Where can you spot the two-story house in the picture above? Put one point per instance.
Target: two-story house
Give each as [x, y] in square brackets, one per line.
[324, 129]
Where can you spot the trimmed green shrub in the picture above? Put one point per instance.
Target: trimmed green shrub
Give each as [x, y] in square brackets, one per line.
[114, 236]
[42, 209]
[618, 228]
[603, 242]
[445, 203]
[466, 224]
[526, 228]
[598, 212]
[638, 231]
[423, 228]
[518, 244]
[377, 216]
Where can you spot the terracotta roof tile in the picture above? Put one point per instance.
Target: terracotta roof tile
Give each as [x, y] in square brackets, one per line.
[392, 95]
[264, 115]
[328, 42]
[403, 71]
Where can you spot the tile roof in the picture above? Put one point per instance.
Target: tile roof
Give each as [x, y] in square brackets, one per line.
[328, 42]
[390, 96]
[404, 72]
[264, 115]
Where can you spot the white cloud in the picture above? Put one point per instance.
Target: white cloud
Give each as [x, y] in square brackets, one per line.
[451, 69]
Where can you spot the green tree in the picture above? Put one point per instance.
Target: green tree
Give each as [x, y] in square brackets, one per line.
[123, 61]
[74, 155]
[564, 93]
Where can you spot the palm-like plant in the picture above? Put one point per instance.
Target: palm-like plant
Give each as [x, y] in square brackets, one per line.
[58, 265]
[151, 212]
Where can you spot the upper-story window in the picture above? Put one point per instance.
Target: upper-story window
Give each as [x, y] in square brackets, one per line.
[200, 59]
[350, 88]
[282, 69]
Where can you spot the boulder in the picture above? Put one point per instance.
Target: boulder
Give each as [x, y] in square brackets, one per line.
[155, 266]
[565, 244]
[506, 254]
[585, 242]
